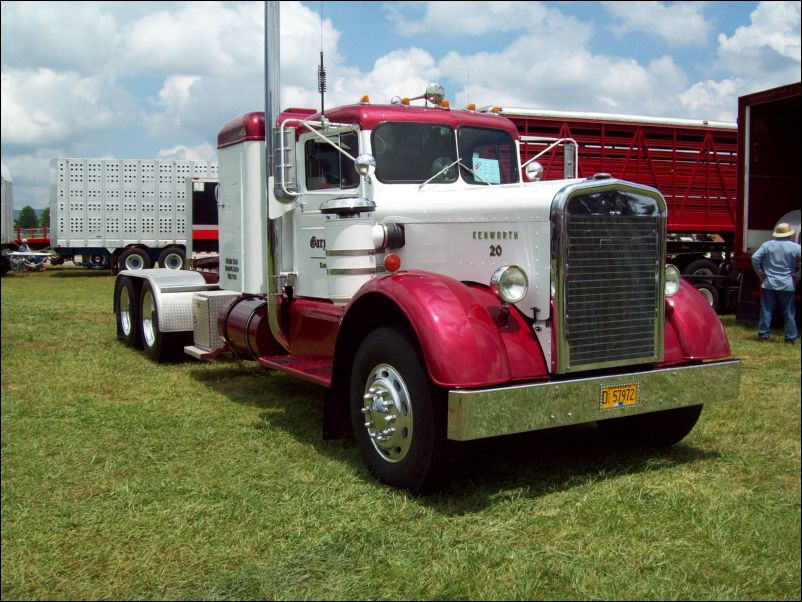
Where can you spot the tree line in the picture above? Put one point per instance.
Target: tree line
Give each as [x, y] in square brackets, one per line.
[28, 218]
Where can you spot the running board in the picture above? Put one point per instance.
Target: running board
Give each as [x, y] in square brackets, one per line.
[314, 370]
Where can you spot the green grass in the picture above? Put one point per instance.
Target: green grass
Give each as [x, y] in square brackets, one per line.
[122, 479]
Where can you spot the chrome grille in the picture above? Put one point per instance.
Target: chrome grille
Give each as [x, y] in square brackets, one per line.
[611, 256]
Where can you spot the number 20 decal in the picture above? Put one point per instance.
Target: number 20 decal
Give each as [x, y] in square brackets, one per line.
[495, 250]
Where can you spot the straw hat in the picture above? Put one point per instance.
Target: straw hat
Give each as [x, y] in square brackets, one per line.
[783, 231]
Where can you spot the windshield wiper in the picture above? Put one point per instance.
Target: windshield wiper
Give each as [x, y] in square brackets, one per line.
[449, 166]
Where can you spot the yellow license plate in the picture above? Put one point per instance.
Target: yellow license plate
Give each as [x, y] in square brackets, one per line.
[618, 396]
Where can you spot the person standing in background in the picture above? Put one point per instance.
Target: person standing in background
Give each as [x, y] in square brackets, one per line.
[777, 264]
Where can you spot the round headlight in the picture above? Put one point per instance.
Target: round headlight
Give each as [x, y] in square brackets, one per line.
[509, 282]
[672, 280]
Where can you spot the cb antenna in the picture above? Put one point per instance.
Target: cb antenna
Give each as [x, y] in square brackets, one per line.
[321, 70]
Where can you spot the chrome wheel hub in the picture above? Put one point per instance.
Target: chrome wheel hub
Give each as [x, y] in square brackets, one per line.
[387, 410]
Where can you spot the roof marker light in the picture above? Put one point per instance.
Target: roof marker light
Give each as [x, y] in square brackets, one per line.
[365, 100]
[471, 107]
[405, 101]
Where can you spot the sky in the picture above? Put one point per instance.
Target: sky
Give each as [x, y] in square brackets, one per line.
[157, 80]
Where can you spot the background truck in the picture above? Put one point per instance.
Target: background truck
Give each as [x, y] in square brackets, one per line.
[123, 214]
[7, 243]
[395, 256]
[769, 190]
[693, 163]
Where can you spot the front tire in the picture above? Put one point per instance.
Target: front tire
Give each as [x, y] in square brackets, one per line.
[656, 429]
[398, 415]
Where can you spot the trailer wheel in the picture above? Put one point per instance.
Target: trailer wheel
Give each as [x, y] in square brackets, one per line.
[397, 414]
[135, 259]
[159, 346]
[172, 258]
[709, 292]
[656, 429]
[126, 302]
[702, 267]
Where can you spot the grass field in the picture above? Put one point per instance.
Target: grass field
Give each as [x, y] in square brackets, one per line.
[122, 479]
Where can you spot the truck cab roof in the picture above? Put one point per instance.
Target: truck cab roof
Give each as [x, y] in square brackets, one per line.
[251, 126]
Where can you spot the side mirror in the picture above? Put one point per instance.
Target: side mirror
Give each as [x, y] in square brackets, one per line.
[365, 165]
[534, 171]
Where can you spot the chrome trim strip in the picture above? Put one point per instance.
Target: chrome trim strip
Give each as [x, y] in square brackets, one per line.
[350, 252]
[355, 271]
[517, 409]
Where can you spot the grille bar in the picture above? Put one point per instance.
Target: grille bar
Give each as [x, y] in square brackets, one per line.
[611, 287]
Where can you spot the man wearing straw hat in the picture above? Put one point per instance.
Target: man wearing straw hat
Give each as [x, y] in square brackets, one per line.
[776, 262]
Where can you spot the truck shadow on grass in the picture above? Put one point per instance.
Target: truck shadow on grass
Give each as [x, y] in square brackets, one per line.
[530, 464]
[80, 273]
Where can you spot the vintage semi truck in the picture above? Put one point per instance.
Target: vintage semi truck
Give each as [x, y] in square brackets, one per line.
[123, 213]
[693, 163]
[401, 258]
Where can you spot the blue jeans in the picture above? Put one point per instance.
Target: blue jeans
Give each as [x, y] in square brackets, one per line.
[771, 300]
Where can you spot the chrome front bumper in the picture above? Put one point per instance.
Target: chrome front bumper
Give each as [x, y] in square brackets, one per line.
[484, 413]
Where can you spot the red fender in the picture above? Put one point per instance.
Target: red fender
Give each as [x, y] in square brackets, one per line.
[467, 339]
[693, 330]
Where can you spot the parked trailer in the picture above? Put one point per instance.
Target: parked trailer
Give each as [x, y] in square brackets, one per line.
[7, 243]
[122, 214]
[769, 189]
[392, 255]
[692, 162]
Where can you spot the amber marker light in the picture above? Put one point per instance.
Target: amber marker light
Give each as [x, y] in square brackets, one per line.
[392, 262]
[365, 100]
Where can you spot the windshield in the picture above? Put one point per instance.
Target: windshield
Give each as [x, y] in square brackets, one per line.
[489, 156]
[413, 153]
[409, 153]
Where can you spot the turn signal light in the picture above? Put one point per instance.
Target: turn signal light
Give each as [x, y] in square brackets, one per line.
[392, 263]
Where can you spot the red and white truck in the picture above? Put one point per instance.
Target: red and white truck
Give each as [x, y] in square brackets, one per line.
[397, 256]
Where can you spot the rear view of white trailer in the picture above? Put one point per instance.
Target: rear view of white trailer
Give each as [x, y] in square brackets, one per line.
[122, 214]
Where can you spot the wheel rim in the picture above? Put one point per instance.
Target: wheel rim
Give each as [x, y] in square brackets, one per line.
[134, 262]
[387, 408]
[148, 326]
[125, 311]
[173, 261]
[707, 295]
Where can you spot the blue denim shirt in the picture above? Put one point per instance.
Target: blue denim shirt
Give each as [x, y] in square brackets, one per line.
[778, 261]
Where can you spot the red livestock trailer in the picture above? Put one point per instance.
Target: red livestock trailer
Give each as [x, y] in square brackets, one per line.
[693, 163]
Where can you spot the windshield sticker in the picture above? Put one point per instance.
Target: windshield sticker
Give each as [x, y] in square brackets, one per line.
[487, 170]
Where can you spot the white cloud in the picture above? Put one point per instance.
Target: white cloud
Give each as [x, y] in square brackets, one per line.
[46, 108]
[678, 23]
[181, 152]
[757, 57]
[769, 47]
[466, 18]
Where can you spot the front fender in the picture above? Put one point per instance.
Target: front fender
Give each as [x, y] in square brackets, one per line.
[693, 329]
[467, 338]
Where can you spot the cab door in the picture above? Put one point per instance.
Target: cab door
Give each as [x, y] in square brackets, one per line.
[326, 174]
